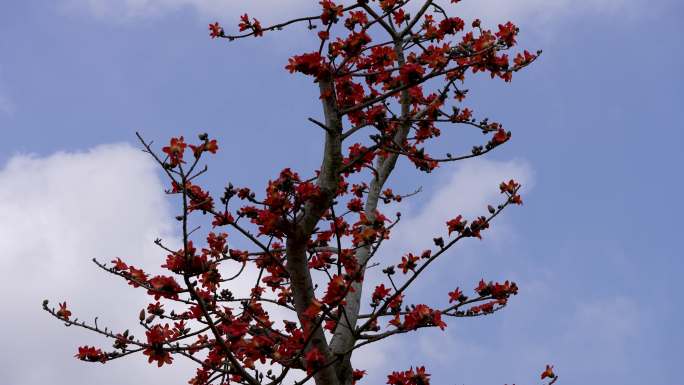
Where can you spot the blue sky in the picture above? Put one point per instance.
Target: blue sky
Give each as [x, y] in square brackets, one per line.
[596, 137]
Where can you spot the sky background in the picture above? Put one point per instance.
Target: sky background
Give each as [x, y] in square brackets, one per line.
[597, 141]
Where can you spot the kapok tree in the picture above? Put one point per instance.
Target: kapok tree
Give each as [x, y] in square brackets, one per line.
[390, 77]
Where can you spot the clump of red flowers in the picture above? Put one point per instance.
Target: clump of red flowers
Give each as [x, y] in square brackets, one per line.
[63, 312]
[409, 377]
[92, 354]
[156, 351]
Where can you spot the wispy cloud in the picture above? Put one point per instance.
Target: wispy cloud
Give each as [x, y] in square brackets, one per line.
[132, 10]
[587, 338]
[531, 11]
[542, 12]
[588, 341]
[58, 212]
[468, 189]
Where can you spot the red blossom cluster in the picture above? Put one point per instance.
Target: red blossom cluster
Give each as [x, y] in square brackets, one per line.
[548, 372]
[331, 12]
[92, 354]
[409, 377]
[308, 64]
[215, 30]
[420, 316]
[156, 337]
[499, 293]
[254, 26]
[63, 312]
[175, 151]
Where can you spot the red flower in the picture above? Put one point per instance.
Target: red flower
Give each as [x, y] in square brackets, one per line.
[455, 224]
[236, 329]
[161, 286]
[455, 295]
[509, 187]
[215, 30]
[463, 115]
[313, 309]
[216, 242]
[308, 64]
[357, 375]
[314, 360]
[482, 288]
[502, 291]
[321, 260]
[399, 16]
[379, 294]
[548, 372]
[210, 146]
[355, 205]
[524, 58]
[421, 377]
[255, 25]
[307, 191]
[244, 22]
[155, 308]
[500, 137]
[422, 315]
[409, 377]
[408, 262]
[411, 73]
[222, 220]
[356, 18]
[175, 151]
[63, 312]
[156, 337]
[451, 25]
[507, 33]
[137, 276]
[331, 12]
[337, 288]
[119, 264]
[90, 353]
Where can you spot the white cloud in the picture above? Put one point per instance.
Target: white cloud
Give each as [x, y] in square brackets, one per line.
[602, 330]
[535, 12]
[589, 340]
[228, 10]
[541, 12]
[58, 212]
[545, 324]
[467, 191]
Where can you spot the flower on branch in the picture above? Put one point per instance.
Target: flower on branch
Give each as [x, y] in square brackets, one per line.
[63, 312]
[90, 353]
[175, 151]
